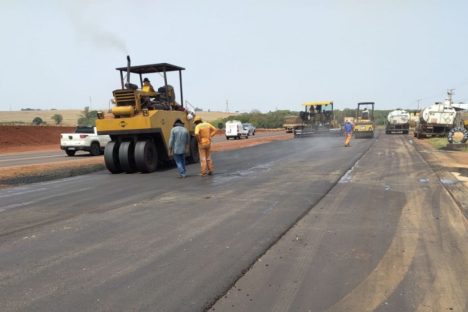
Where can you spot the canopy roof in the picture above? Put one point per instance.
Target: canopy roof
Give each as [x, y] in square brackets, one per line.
[318, 103]
[152, 68]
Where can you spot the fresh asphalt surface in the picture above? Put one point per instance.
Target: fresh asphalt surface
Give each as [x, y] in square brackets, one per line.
[284, 226]
[44, 157]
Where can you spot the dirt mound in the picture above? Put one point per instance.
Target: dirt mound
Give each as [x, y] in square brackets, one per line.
[21, 136]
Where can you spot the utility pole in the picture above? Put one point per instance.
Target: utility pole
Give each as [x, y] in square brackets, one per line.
[227, 106]
[418, 100]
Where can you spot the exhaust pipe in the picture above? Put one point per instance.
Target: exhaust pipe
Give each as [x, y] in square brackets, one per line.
[129, 85]
[128, 69]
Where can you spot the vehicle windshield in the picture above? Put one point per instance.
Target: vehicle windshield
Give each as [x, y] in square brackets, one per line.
[84, 130]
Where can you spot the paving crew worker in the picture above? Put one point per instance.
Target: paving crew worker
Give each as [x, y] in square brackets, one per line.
[178, 141]
[147, 87]
[348, 132]
[204, 132]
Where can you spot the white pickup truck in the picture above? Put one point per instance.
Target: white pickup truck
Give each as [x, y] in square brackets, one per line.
[83, 139]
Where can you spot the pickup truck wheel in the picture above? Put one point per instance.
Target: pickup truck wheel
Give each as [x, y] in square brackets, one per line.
[111, 157]
[146, 156]
[127, 157]
[95, 149]
[70, 153]
[194, 155]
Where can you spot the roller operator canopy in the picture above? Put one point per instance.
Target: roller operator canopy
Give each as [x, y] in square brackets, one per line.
[152, 68]
[318, 103]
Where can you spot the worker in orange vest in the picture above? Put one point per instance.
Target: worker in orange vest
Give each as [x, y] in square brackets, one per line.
[204, 132]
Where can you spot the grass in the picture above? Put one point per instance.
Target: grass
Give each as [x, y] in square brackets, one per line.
[441, 144]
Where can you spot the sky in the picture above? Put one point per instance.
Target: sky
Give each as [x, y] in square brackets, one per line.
[252, 54]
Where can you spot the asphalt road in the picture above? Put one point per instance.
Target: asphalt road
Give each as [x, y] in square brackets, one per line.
[44, 157]
[279, 227]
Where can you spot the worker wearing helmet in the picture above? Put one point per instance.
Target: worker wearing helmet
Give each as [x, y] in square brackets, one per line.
[204, 132]
[348, 132]
[147, 87]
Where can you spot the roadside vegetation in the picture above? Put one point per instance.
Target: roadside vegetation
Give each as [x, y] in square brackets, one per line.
[87, 117]
[441, 143]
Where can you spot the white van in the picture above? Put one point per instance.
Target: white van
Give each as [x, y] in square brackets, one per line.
[235, 130]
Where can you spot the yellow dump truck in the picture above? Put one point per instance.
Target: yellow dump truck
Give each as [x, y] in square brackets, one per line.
[141, 121]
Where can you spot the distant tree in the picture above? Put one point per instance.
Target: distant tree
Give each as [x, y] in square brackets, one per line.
[57, 118]
[87, 117]
[37, 121]
[198, 109]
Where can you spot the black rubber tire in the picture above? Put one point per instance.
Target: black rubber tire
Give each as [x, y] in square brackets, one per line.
[70, 153]
[127, 157]
[111, 157]
[227, 138]
[146, 156]
[95, 149]
[253, 133]
[194, 156]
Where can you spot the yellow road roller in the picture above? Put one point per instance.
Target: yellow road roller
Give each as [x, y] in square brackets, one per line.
[141, 120]
[364, 126]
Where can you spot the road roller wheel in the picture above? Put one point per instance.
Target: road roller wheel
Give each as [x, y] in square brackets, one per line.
[146, 156]
[111, 157]
[127, 157]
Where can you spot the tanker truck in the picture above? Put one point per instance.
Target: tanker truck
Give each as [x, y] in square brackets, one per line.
[397, 122]
[435, 120]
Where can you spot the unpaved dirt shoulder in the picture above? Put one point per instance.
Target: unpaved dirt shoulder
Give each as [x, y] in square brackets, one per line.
[11, 176]
[451, 168]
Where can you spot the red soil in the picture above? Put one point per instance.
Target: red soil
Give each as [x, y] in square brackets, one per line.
[30, 138]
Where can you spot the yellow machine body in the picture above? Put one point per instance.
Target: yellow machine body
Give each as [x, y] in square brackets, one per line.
[141, 122]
